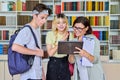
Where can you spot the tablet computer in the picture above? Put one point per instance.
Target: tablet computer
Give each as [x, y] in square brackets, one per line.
[68, 47]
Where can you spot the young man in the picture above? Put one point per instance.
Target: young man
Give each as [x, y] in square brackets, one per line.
[40, 14]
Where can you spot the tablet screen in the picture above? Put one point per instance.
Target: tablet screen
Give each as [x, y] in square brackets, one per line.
[68, 47]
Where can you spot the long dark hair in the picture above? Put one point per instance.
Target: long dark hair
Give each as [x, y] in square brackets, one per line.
[85, 21]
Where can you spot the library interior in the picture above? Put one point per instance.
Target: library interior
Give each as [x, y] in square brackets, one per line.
[104, 16]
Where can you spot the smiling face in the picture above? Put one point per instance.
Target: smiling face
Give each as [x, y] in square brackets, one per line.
[82, 26]
[79, 29]
[61, 24]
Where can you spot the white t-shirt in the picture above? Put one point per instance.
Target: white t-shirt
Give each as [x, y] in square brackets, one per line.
[25, 37]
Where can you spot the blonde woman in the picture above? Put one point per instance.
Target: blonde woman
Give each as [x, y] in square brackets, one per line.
[57, 68]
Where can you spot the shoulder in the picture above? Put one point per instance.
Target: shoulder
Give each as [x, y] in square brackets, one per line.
[25, 32]
[94, 37]
[50, 33]
[25, 29]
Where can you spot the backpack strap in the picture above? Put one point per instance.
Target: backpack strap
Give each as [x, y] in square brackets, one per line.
[31, 58]
[33, 35]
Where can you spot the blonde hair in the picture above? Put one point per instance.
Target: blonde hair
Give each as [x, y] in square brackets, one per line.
[57, 20]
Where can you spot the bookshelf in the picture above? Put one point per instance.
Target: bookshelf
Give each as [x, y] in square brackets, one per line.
[98, 12]
[115, 30]
[103, 14]
[7, 23]
[104, 17]
[14, 14]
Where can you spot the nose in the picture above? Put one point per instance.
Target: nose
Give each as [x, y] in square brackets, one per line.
[61, 24]
[44, 20]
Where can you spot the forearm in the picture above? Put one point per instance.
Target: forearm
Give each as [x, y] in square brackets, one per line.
[71, 58]
[90, 57]
[52, 51]
[23, 50]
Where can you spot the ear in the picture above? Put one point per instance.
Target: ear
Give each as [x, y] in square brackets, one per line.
[34, 15]
[86, 28]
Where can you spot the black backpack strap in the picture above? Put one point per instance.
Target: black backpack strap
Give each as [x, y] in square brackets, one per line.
[68, 37]
[33, 35]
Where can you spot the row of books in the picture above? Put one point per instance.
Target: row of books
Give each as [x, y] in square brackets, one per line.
[114, 24]
[3, 48]
[7, 6]
[18, 5]
[2, 20]
[11, 20]
[94, 20]
[23, 19]
[97, 6]
[47, 25]
[103, 49]
[7, 20]
[73, 6]
[99, 20]
[115, 39]
[90, 6]
[115, 9]
[23, 6]
[101, 35]
[4, 34]
[26, 6]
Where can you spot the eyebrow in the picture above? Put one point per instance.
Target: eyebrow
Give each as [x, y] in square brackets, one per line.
[79, 27]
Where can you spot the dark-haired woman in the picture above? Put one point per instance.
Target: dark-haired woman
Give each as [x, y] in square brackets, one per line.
[82, 28]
